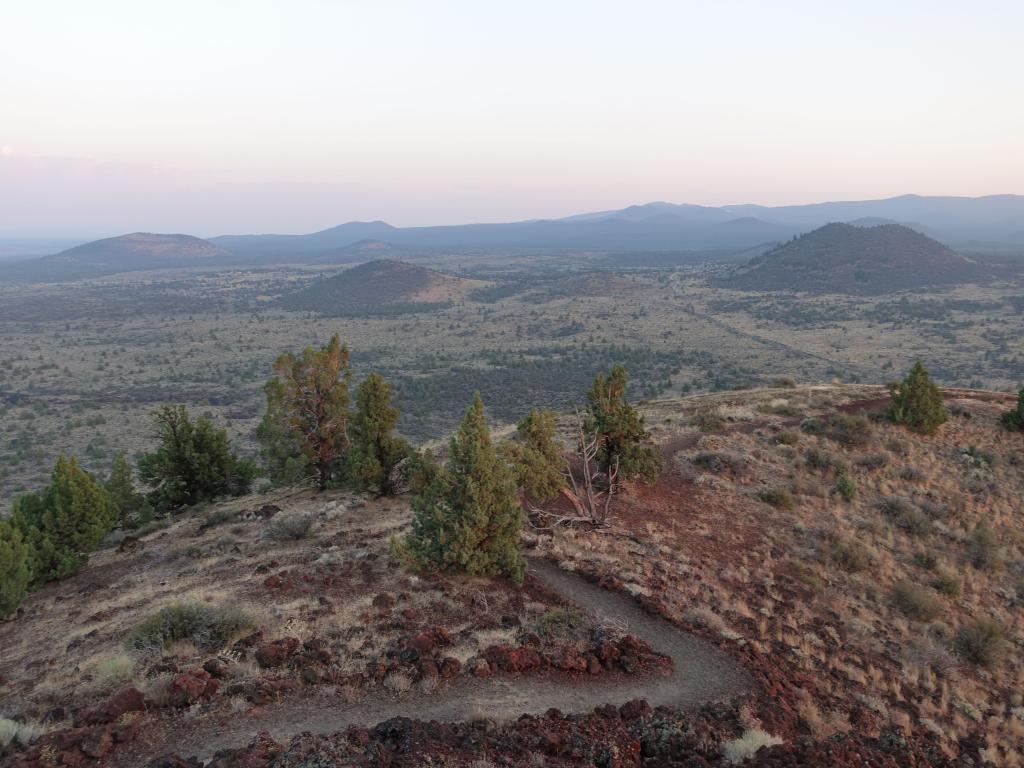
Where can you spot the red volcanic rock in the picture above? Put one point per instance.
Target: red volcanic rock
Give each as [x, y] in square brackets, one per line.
[424, 642]
[276, 653]
[509, 659]
[450, 667]
[217, 668]
[635, 709]
[190, 687]
[129, 699]
[479, 668]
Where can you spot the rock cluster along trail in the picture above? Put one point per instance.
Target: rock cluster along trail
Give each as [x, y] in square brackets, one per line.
[700, 674]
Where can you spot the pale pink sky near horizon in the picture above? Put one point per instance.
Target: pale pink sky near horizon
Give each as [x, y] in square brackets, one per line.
[229, 116]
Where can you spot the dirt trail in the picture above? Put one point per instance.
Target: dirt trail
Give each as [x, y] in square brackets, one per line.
[700, 674]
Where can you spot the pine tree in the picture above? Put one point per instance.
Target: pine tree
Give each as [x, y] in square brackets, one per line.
[311, 402]
[64, 522]
[535, 456]
[466, 517]
[619, 430]
[917, 403]
[132, 506]
[376, 451]
[14, 569]
[193, 461]
[1014, 420]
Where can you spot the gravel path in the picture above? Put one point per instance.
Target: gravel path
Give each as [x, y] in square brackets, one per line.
[700, 674]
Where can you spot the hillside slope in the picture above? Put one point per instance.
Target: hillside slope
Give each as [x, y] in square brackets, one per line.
[126, 253]
[383, 286]
[844, 258]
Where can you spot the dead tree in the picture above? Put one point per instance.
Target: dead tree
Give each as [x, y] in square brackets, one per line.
[590, 490]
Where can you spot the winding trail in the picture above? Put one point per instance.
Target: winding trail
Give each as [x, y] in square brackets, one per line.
[700, 674]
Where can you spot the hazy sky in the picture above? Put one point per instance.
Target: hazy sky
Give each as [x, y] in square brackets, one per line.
[223, 116]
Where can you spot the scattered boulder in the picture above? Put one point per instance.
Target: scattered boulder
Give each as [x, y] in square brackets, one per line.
[128, 699]
[190, 687]
[277, 652]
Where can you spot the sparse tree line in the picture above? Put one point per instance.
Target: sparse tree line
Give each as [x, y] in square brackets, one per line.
[468, 512]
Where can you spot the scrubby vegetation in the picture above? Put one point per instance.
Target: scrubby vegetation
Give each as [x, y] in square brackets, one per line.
[376, 451]
[619, 430]
[1014, 420]
[206, 626]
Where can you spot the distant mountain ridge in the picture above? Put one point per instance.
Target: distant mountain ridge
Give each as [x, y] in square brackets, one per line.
[993, 223]
[847, 258]
[995, 219]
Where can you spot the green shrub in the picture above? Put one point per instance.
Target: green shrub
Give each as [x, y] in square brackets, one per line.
[777, 497]
[208, 627]
[559, 625]
[708, 421]
[851, 556]
[719, 461]
[917, 403]
[822, 460]
[846, 487]
[114, 671]
[1014, 420]
[813, 426]
[292, 528]
[787, 437]
[917, 601]
[925, 560]
[873, 461]
[982, 642]
[947, 584]
[983, 549]
[850, 430]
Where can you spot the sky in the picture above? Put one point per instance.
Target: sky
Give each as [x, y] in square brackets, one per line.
[229, 116]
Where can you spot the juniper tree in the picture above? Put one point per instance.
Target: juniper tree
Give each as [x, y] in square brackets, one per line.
[193, 461]
[376, 450]
[917, 403]
[132, 506]
[619, 430]
[281, 449]
[14, 569]
[310, 401]
[1014, 420]
[465, 515]
[535, 456]
[64, 522]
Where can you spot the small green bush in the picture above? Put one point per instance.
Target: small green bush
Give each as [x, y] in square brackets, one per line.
[1014, 420]
[777, 497]
[983, 550]
[982, 642]
[850, 430]
[294, 528]
[873, 461]
[925, 560]
[916, 601]
[114, 671]
[206, 626]
[813, 426]
[851, 556]
[846, 487]
[787, 437]
[947, 584]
